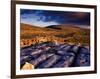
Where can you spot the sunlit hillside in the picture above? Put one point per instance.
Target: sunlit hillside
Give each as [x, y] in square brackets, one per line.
[68, 34]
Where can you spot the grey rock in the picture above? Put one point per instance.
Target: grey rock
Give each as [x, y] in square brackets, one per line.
[50, 55]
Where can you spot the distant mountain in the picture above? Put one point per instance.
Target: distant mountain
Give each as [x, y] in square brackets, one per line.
[54, 27]
[59, 27]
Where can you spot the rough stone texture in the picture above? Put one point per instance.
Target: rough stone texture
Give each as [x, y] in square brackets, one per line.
[51, 55]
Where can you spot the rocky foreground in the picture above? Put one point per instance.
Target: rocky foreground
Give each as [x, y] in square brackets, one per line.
[51, 55]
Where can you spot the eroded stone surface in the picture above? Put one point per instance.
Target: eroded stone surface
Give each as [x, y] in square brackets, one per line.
[51, 55]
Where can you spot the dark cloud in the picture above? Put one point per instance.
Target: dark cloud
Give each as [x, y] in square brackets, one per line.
[61, 17]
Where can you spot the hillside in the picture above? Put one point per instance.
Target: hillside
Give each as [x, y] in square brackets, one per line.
[59, 33]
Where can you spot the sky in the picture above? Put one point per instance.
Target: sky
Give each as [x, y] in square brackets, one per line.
[45, 18]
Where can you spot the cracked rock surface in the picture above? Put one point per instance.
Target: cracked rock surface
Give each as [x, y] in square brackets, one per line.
[51, 55]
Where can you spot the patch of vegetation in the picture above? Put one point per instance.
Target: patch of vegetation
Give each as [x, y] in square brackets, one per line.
[28, 36]
[60, 36]
[65, 36]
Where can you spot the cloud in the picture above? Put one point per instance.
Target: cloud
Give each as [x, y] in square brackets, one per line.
[76, 15]
[57, 17]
